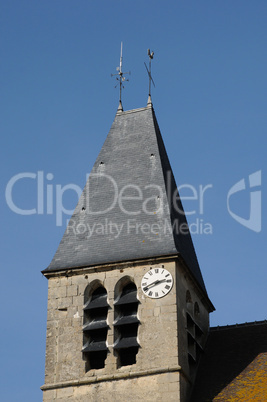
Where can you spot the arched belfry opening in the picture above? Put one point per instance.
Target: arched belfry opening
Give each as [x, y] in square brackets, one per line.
[95, 327]
[126, 324]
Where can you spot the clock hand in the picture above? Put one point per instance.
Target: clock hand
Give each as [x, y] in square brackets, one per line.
[154, 283]
[151, 284]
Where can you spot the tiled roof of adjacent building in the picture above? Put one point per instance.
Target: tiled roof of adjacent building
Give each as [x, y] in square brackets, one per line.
[233, 366]
[143, 221]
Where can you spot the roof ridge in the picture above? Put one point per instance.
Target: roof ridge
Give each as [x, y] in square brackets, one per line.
[245, 324]
[141, 109]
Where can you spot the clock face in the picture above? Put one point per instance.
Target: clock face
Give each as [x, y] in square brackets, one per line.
[156, 283]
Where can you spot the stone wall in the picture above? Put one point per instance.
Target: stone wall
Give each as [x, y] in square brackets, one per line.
[162, 387]
[156, 374]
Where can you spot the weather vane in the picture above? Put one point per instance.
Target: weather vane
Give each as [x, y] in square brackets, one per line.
[151, 55]
[120, 77]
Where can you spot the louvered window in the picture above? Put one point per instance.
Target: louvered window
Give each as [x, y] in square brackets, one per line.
[126, 326]
[194, 338]
[95, 329]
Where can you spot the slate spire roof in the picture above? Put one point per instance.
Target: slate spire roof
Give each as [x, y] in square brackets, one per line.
[128, 209]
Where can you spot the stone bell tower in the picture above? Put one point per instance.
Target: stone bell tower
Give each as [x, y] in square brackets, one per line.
[128, 312]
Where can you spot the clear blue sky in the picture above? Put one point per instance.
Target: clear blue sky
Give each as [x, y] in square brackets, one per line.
[57, 104]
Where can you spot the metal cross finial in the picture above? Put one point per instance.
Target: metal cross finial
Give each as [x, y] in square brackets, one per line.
[120, 74]
[151, 55]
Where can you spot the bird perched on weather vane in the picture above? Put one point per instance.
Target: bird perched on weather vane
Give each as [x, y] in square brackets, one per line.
[150, 55]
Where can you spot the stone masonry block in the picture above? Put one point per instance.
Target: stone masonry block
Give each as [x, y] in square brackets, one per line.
[169, 309]
[65, 302]
[49, 395]
[173, 386]
[72, 310]
[53, 282]
[111, 295]
[51, 332]
[72, 290]
[156, 311]
[50, 314]
[110, 283]
[52, 293]
[79, 280]
[168, 378]
[64, 392]
[81, 288]
[78, 300]
[146, 313]
[62, 291]
[65, 281]
[169, 317]
[52, 304]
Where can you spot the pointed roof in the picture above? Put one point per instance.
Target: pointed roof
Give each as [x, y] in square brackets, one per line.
[128, 209]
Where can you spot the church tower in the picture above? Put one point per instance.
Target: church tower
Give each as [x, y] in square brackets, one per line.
[128, 311]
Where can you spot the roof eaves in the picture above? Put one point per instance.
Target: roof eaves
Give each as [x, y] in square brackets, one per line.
[47, 271]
